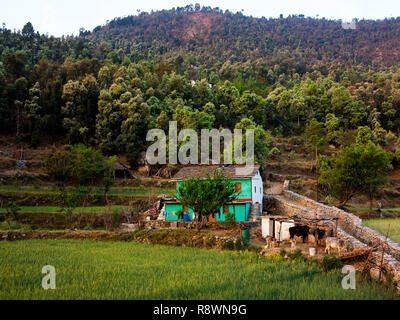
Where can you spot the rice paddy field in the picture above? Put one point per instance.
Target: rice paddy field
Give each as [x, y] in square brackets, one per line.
[382, 226]
[132, 271]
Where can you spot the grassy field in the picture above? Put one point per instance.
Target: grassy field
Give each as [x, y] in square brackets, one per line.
[359, 209]
[107, 270]
[382, 226]
[45, 209]
[115, 191]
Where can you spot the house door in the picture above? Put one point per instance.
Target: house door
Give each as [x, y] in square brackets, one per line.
[212, 218]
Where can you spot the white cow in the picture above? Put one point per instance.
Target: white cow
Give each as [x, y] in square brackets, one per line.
[335, 244]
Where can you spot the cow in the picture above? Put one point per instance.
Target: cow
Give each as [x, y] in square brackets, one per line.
[335, 244]
[299, 231]
[318, 234]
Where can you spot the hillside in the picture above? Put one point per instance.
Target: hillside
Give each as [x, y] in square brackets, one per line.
[216, 36]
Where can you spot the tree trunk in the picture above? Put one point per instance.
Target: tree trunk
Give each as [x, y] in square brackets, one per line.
[371, 199]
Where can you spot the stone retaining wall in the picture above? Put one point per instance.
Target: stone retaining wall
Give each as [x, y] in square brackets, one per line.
[350, 228]
[347, 222]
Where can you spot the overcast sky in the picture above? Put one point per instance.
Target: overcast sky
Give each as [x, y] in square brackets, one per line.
[57, 17]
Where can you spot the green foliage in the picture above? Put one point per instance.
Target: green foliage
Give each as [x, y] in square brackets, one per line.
[331, 263]
[262, 140]
[79, 165]
[229, 245]
[108, 87]
[296, 255]
[357, 169]
[12, 212]
[315, 134]
[116, 217]
[230, 220]
[275, 152]
[207, 195]
[82, 168]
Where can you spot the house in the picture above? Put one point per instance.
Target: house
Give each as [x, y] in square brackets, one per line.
[122, 171]
[248, 185]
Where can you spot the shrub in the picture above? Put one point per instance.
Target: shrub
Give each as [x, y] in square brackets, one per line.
[283, 253]
[391, 137]
[291, 155]
[229, 245]
[240, 245]
[296, 141]
[116, 217]
[329, 200]
[296, 255]
[331, 263]
[275, 152]
[230, 220]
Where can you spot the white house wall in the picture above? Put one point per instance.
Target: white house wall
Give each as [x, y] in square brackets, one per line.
[258, 190]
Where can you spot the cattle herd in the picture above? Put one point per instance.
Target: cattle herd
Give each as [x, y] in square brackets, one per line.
[332, 243]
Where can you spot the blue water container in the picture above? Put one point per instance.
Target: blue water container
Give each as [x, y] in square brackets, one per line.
[186, 218]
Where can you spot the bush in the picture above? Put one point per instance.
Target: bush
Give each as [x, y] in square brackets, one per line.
[331, 263]
[240, 244]
[275, 152]
[296, 255]
[283, 253]
[229, 245]
[230, 220]
[330, 201]
[391, 137]
[296, 141]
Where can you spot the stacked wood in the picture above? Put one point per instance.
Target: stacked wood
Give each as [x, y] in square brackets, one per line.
[356, 255]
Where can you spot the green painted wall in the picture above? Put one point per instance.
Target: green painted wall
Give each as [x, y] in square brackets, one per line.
[247, 191]
[241, 211]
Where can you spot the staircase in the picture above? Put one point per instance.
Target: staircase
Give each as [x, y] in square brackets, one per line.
[254, 215]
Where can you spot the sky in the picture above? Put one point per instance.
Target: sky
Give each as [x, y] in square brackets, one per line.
[58, 17]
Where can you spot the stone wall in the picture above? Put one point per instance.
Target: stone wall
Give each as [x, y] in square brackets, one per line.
[347, 222]
[193, 225]
[350, 228]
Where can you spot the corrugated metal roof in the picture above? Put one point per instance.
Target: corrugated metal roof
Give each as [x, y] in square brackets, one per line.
[232, 171]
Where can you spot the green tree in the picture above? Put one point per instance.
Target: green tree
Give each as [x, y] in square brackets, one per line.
[207, 195]
[12, 212]
[32, 112]
[263, 140]
[357, 169]
[79, 167]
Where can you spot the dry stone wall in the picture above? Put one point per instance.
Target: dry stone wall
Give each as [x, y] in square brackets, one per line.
[350, 228]
[347, 222]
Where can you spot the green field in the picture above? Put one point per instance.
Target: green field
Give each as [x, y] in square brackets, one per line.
[382, 226]
[107, 270]
[45, 209]
[115, 191]
[359, 209]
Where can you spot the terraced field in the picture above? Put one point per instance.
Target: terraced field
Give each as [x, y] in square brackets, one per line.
[107, 270]
[385, 225]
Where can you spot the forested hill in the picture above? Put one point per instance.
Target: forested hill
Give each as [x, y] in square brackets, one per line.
[213, 35]
[205, 69]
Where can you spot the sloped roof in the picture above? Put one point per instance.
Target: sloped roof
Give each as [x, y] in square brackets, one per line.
[229, 171]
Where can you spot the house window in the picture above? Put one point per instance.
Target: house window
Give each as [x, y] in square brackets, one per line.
[226, 209]
[238, 188]
[255, 189]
